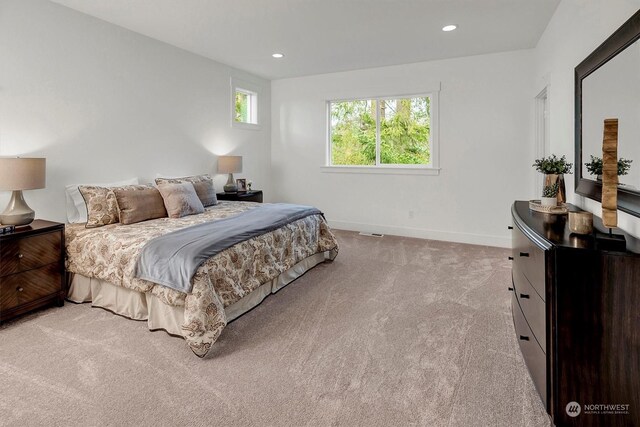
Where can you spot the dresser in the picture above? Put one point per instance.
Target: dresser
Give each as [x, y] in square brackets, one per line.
[31, 268]
[576, 316]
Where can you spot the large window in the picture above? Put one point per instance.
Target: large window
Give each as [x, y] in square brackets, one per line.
[394, 131]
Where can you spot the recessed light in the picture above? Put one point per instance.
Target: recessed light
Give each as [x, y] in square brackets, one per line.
[278, 55]
[448, 28]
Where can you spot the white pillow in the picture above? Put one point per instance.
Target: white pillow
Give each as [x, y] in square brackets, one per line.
[76, 208]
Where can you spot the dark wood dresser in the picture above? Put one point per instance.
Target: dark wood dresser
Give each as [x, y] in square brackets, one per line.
[31, 268]
[576, 313]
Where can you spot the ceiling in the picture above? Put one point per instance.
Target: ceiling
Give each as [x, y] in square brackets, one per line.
[324, 36]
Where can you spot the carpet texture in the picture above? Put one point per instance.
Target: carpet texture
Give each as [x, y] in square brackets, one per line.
[394, 332]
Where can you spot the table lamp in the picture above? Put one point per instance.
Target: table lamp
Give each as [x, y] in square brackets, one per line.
[230, 165]
[17, 174]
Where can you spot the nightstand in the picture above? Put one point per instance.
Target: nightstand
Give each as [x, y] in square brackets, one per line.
[242, 196]
[31, 268]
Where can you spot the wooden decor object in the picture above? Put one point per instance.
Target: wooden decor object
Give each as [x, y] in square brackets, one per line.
[610, 173]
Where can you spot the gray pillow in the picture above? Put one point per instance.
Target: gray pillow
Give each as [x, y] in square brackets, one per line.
[180, 199]
[202, 183]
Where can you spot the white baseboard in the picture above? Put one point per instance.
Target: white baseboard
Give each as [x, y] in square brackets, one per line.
[448, 236]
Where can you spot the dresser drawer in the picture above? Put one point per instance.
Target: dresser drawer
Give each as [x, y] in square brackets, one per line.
[29, 253]
[28, 286]
[532, 353]
[529, 259]
[532, 306]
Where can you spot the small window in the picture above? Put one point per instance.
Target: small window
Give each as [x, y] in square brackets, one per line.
[245, 101]
[382, 132]
[246, 106]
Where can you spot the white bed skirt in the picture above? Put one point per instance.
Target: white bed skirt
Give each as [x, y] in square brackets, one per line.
[145, 306]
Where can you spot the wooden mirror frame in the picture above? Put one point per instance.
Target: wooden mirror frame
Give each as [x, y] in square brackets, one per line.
[626, 35]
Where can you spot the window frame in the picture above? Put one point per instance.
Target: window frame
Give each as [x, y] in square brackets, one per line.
[254, 91]
[431, 169]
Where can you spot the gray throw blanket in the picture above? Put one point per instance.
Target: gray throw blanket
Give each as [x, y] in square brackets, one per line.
[173, 259]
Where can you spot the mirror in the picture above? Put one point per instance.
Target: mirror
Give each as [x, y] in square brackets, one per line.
[614, 92]
[607, 85]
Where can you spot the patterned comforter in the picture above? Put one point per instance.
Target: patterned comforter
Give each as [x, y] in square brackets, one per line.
[110, 253]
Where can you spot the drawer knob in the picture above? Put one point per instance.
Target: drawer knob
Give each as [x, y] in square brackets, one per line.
[525, 296]
[20, 289]
[510, 288]
[524, 338]
[20, 256]
[524, 254]
[509, 227]
[510, 258]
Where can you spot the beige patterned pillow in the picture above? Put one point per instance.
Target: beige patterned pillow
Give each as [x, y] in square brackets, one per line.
[202, 183]
[102, 207]
[180, 199]
[137, 203]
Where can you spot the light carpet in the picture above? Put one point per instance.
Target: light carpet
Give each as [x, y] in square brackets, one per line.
[395, 332]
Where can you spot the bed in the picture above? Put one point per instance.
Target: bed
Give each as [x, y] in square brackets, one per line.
[102, 264]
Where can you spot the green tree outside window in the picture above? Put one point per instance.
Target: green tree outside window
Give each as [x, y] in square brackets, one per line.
[404, 131]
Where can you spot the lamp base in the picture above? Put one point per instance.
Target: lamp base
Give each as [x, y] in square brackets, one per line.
[230, 186]
[17, 211]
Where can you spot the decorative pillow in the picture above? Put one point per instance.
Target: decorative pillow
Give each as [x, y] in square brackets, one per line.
[76, 207]
[138, 203]
[102, 207]
[180, 199]
[202, 183]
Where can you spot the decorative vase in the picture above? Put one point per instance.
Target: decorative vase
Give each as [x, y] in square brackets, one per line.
[581, 222]
[552, 178]
[548, 201]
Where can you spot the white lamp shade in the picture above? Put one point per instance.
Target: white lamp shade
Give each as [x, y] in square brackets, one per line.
[22, 173]
[229, 164]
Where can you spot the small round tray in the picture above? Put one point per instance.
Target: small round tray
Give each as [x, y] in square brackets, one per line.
[535, 205]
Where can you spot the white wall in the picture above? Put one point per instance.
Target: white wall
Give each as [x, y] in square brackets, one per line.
[102, 103]
[575, 30]
[486, 149]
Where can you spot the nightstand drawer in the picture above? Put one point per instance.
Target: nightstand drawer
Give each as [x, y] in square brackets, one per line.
[242, 196]
[30, 252]
[22, 288]
[8, 296]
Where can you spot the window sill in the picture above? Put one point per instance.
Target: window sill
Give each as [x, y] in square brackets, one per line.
[244, 125]
[385, 170]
